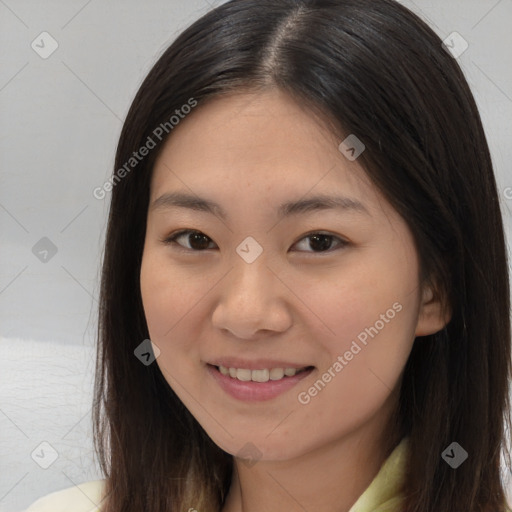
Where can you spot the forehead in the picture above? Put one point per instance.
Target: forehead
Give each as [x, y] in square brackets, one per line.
[257, 146]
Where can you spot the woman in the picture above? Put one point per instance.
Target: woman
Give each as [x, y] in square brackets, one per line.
[367, 374]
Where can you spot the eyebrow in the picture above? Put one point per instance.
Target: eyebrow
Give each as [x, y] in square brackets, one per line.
[318, 202]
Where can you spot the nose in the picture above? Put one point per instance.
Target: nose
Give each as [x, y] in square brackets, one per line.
[252, 301]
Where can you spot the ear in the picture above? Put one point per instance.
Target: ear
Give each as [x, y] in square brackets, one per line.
[431, 318]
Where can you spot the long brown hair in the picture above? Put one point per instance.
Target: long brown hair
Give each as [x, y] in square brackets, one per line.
[373, 68]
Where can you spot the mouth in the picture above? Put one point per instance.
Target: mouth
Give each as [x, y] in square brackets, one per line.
[257, 384]
[260, 375]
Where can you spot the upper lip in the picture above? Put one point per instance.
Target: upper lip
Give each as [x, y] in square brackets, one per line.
[254, 364]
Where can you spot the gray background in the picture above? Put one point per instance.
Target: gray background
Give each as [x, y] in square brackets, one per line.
[59, 124]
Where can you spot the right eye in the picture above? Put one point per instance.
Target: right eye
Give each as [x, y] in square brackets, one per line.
[196, 239]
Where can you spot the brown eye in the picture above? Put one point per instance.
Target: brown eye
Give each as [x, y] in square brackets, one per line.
[321, 242]
[198, 241]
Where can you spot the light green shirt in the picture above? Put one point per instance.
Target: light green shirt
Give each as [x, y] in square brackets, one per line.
[382, 495]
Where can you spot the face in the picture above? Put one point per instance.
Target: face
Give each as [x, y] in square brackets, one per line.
[257, 286]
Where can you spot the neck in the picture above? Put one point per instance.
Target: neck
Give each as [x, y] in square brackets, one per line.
[329, 478]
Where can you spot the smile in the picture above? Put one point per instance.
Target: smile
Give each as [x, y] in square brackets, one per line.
[258, 384]
[263, 375]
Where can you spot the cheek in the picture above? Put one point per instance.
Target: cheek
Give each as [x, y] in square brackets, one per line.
[358, 298]
[158, 297]
[162, 309]
[168, 295]
[371, 315]
[174, 298]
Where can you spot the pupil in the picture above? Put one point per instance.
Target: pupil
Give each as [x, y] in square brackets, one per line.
[323, 244]
[196, 237]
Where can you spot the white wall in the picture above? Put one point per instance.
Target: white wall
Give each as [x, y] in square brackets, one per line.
[59, 123]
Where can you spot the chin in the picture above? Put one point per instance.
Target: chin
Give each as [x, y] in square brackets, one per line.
[256, 448]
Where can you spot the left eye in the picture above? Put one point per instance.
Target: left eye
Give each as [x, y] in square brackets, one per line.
[320, 242]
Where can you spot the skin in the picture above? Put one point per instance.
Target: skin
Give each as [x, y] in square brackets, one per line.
[250, 152]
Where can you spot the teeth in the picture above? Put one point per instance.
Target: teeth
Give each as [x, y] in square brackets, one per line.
[263, 375]
[244, 375]
[276, 373]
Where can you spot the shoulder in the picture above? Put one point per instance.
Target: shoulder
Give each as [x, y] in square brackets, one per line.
[85, 497]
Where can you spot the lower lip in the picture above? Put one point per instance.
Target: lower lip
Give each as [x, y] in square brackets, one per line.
[255, 391]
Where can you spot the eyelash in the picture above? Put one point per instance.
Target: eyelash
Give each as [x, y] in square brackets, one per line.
[171, 240]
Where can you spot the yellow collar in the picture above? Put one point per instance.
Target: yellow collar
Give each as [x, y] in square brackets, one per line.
[384, 492]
